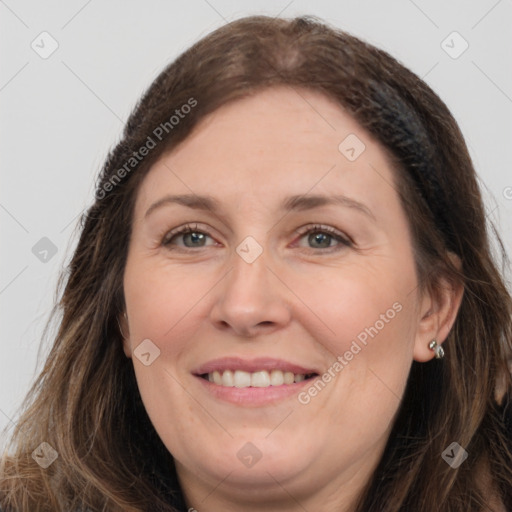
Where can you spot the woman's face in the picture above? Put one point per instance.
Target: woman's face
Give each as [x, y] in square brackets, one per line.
[299, 264]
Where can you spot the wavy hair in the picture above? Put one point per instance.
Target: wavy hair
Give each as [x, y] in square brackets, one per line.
[85, 402]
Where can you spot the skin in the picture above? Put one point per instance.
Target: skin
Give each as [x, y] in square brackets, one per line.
[301, 300]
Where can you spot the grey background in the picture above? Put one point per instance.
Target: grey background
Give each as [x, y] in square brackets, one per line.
[61, 114]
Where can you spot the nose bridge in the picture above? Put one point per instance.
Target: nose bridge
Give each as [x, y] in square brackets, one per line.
[249, 262]
[251, 297]
[249, 276]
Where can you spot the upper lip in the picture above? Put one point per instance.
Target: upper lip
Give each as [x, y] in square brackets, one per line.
[251, 365]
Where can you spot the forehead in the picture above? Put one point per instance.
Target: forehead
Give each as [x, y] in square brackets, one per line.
[273, 122]
[279, 141]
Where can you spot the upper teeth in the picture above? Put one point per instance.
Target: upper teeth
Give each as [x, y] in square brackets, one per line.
[260, 379]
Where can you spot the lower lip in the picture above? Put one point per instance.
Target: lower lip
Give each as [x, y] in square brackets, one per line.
[254, 396]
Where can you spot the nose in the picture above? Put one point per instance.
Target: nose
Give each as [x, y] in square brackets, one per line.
[251, 300]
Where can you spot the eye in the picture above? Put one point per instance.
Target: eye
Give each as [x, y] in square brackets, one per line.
[191, 236]
[321, 237]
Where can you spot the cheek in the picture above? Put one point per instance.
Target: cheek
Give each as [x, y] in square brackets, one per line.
[160, 303]
[368, 319]
[161, 307]
[167, 308]
[366, 303]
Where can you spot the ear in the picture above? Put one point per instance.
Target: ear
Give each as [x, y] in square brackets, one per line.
[125, 334]
[438, 311]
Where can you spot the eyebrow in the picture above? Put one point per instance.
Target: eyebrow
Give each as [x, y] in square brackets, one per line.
[292, 203]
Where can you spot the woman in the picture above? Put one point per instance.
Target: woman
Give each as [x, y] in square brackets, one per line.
[283, 298]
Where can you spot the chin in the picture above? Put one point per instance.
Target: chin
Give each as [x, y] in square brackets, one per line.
[259, 461]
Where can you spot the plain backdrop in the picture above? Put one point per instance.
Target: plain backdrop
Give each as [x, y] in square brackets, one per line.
[60, 113]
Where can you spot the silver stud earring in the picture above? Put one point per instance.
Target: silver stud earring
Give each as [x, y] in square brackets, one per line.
[438, 349]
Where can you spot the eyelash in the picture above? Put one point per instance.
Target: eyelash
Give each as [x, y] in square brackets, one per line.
[188, 228]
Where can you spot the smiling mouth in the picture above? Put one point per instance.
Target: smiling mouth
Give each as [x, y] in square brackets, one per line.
[258, 379]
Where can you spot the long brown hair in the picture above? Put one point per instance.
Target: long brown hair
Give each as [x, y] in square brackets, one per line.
[85, 403]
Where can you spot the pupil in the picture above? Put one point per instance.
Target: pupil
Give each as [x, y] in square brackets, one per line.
[319, 237]
[195, 237]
